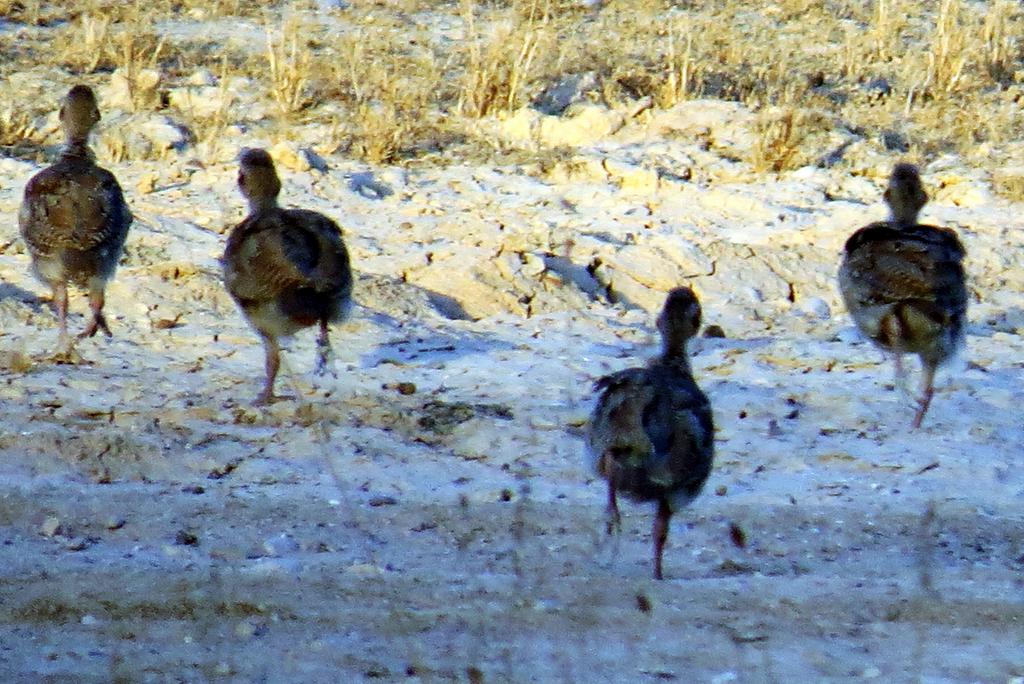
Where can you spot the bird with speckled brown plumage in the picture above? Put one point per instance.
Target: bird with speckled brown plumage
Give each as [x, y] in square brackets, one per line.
[287, 269]
[651, 434]
[74, 218]
[903, 283]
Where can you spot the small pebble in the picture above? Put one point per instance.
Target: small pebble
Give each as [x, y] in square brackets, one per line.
[186, 538]
[280, 545]
[50, 526]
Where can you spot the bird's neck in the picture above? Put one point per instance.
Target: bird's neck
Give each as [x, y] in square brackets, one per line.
[77, 146]
[903, 217]
[673, 353]
[262, 203]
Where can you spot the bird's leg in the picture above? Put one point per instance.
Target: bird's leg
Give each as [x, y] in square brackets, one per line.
[273, 362]
[614, 521]
[926, 398]
[900, 374]
[65, 343]
[60, 302]
[324, 353]
[660, 534]
[98, 322]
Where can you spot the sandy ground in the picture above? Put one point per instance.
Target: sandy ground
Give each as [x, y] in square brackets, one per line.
[156, 527]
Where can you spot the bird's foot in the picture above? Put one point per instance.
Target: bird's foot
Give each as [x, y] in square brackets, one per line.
[922, 405]
[324, 361]
[613, 523]
[66, 352]
[266, 398]
[68, 356]
[97, 323]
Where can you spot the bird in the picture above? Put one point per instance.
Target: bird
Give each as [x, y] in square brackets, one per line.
[287, 269]
[903, 283]
[74, 218]
[651, 433]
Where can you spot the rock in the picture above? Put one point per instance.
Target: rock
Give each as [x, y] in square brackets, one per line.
[585, 124]
[622, 287]
[202, 77]
[186, 538]
[895, 141]
[50, 527]
[958, 188]
[724, 126]
[520, 127]
[141, 136]
[297, 158]
[574, 274]
[205, 101]
[815, 307]
[123, 92]
[850, 335]
[576, 170]
[632, 178]
[453, 279]
[582, 125]
[877, 88]
[570, 90]
[114, 523]
[280, 545]
[1008, 181]
[147, 183]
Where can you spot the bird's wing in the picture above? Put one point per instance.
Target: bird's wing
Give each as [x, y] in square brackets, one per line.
[274, 251]
[888, 266]
[73, 206]
[616, 426]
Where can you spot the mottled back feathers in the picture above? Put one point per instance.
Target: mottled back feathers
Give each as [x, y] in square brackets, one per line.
[287, 268]
[74, 218]
[651, 432]
[904, 284]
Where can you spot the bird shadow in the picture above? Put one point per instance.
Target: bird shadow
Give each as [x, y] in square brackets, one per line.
[20, 294]
[432, 346]
[1010, 320]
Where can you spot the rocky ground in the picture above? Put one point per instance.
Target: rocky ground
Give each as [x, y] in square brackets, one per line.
[427, 515]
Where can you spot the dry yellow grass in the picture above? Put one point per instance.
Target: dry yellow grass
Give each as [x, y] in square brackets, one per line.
[397, 78]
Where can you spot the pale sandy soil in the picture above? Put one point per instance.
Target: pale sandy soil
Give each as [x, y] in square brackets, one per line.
[156, 527]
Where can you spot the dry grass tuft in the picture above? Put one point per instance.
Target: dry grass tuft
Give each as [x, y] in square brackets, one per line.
[390, 98]
[948, 55]
[288, 59]
[777, 145]
[683, 78]
[1001, 37]
[498, 61]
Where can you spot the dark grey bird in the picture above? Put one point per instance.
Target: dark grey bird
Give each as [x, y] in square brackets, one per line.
[287, 269]
[74, 218]
[903, 283]
[651, 435]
